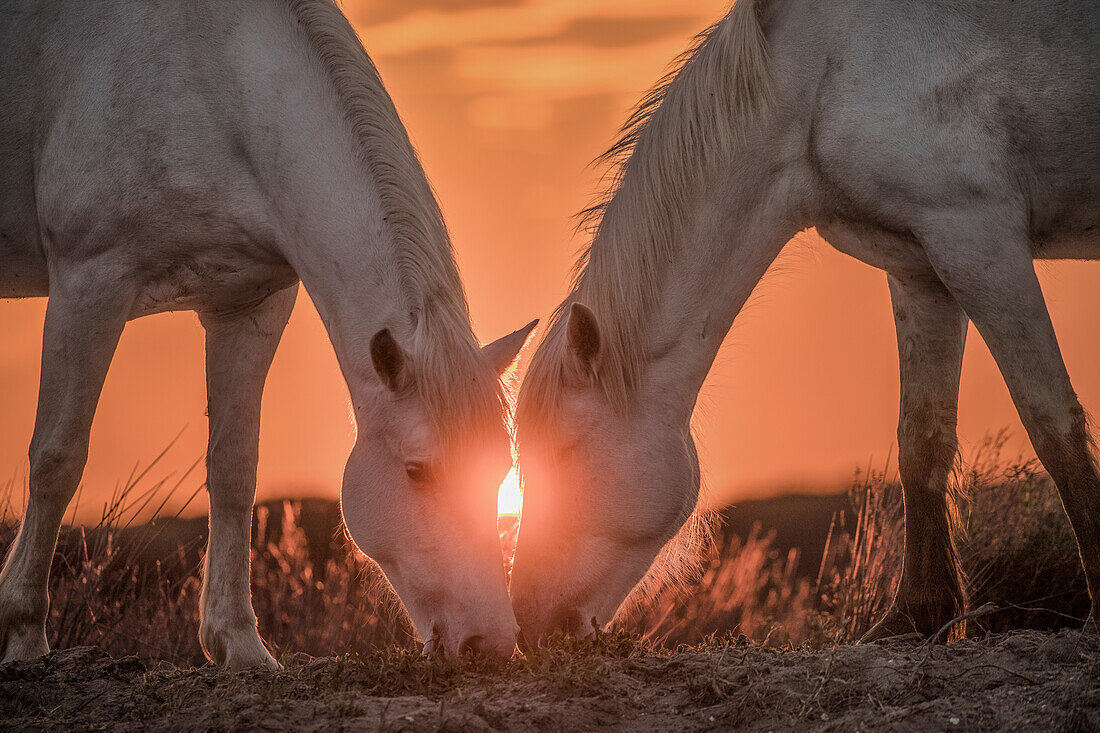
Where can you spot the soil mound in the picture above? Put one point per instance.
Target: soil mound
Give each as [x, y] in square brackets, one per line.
[1025, 680]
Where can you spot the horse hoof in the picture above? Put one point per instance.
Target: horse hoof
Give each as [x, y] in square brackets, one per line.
[241, 662]
[247, 653]
[895, 626]
[236, 650]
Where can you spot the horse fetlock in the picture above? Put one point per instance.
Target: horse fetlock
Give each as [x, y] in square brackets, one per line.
[22, 604]
[22, 622]
[21, 642]
[22, 626]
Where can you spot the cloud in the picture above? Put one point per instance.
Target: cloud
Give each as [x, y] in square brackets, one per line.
[365, 13]
[606, 32]
[514, 63]
[538, 21]
[560, 71]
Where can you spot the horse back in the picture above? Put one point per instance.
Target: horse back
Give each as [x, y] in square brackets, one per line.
[126, 137]
[919, 105]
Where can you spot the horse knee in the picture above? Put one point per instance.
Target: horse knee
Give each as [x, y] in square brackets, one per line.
[55, 473]
[1066, 448]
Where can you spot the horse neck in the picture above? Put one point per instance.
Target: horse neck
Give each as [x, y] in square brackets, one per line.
[681, 243]
[344, 252]
[733, 231]
[331, 222]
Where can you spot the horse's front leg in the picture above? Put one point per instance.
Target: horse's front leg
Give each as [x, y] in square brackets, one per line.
[239, 350]
[931, 329]
[84, 319]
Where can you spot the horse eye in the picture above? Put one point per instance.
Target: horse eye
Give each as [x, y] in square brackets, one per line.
[418, 472]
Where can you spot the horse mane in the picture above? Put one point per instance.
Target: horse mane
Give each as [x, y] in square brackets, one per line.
[459, 390]
[681, 131]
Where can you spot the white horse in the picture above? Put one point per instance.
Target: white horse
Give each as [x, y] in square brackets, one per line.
[205, 155]
[946, 143]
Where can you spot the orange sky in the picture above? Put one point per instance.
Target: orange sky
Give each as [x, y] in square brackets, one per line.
[508, 101]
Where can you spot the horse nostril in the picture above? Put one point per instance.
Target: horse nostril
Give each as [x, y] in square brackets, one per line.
[472, 644]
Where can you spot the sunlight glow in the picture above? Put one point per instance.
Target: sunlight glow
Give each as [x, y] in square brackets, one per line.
[510, 498]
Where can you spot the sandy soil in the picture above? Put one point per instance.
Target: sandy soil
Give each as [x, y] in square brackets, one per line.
[1020, 681]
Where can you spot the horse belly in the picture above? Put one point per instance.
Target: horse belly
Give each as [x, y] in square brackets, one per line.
[1083, 245]
[895, 253]
[210, 281]
[23, 271]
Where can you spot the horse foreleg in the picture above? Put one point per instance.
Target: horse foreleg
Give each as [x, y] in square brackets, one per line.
[84, 319]
[931, 330]
[992, 276]
[239, 350]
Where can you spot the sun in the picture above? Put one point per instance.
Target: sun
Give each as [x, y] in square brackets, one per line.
[510, 498]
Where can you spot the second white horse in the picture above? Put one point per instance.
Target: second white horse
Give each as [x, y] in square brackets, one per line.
[947, 143]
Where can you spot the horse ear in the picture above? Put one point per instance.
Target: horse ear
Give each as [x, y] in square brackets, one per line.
[502, 352]
[389, 360]
[583, 337]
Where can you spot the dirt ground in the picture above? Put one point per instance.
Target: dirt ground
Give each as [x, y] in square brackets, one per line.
[1021, 681]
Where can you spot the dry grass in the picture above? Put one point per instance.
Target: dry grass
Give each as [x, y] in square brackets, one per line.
[1015, 545]
[133, 590]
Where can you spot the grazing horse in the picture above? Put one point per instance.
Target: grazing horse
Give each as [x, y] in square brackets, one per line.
[207, 156]
[949, 144]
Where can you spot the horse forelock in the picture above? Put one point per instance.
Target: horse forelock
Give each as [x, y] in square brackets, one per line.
[462, 396]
